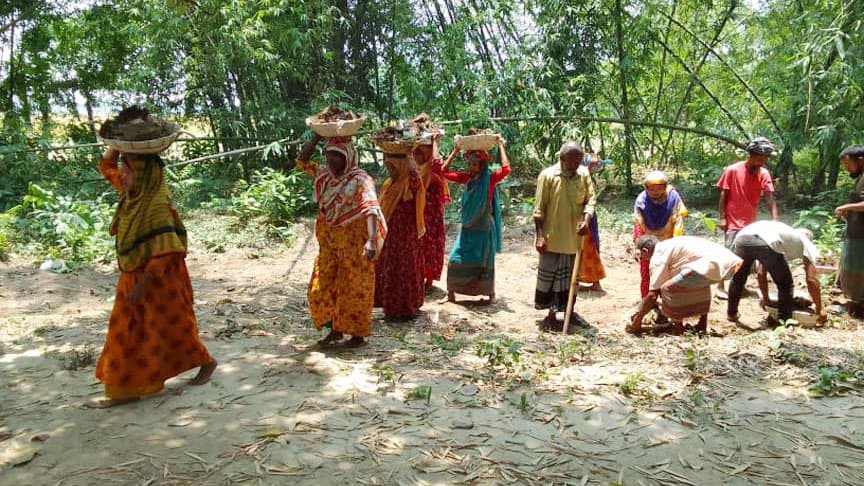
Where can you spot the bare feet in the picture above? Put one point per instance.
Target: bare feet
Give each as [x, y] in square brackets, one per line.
[429, 285]
[596, 287]
[331, 339]
[204, 373]
[110, 402]
[702, 326]
[451, 296]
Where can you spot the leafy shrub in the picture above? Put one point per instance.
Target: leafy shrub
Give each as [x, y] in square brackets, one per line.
[48, 224]
[278, 197]
[504, 352]
[827, 229]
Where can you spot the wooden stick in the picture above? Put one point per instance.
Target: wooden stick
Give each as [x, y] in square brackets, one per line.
[574, 284]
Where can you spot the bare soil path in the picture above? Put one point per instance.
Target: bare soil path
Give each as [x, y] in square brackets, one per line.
[418, 405]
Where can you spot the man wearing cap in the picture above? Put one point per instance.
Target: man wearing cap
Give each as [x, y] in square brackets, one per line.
[563, 208]
[741, 187]
[774, 244]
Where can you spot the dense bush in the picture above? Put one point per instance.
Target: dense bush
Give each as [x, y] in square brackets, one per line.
[50, 225]
[278, 197]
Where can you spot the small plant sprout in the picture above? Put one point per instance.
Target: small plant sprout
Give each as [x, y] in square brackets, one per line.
[421, 392]
[500, 352]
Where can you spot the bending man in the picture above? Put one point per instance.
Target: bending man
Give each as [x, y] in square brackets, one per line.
[774, 245]
[682, 271]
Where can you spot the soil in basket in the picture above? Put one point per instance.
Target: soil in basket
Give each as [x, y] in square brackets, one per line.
[333, 114]
[135, 124]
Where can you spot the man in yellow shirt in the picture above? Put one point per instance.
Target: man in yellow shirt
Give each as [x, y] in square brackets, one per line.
[563, 207]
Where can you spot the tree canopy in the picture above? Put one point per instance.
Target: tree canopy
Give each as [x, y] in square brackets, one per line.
[721, 70]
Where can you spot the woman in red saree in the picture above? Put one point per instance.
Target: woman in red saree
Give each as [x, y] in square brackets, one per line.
[437, 196]
[399, 271]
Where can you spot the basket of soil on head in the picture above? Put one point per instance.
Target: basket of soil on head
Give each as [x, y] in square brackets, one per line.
[135, 131]
[391, 142]
[333, 122]
[477, 140]
[403, 138]
[422, 128]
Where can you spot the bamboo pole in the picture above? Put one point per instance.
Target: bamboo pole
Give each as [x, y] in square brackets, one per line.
[574, 284]
[232, 153]
[729, 67]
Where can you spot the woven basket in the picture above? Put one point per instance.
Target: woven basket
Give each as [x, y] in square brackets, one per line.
[426, 137]
[395, 146]
[477, 142]
[805, 319]
[153, 146]
[341, 128]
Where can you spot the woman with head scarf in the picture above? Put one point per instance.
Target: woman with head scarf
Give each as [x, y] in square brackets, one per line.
[152, 331]
[437, 196]
[591, 268]
[659, 211]
[399, 269]
[350, 230]
[471, 267]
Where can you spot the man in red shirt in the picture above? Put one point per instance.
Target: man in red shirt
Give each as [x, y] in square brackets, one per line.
[741, 186]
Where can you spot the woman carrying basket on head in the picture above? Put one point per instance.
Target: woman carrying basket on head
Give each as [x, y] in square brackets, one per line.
[152, 332]
[350, 230]
[471, 268]
[399, 270]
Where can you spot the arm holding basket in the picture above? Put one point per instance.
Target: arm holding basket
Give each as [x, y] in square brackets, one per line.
[310, 168]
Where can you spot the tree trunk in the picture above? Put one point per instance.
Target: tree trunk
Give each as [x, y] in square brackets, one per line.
[625, 102]
[88, 104]
[660, 84]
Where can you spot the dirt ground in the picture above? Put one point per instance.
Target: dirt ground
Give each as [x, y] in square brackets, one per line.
[418, 405]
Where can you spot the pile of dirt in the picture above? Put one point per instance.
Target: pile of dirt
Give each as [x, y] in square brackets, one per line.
[414, 129]
[334, 114]
[136, 124]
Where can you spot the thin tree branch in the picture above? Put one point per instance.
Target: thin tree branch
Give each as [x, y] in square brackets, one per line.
[730, 68]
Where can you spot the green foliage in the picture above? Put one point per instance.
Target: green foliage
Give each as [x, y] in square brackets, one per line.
[576, 349]
[49, 224]
[385, 374]
[693, 357]
[828, 230]
[6, 229]
[277, 197]
[421, 392]
[451, 347]
[632, 384]
[830, 382]
[500, 352]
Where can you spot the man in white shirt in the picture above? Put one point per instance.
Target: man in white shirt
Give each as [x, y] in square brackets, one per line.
[682, 271]
[774, 244]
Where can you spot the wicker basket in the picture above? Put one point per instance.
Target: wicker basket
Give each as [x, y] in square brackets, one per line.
[341, 128]
[395, 146]
[153, 146]
[477, 142]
